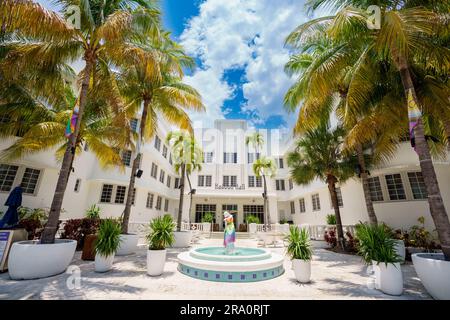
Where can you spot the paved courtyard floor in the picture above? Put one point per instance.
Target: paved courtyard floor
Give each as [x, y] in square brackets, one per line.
[334, 276]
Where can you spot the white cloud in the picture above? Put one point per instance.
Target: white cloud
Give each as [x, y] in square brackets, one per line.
[245, 34]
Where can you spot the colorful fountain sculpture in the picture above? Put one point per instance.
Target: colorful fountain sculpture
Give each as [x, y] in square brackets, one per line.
[230, 263]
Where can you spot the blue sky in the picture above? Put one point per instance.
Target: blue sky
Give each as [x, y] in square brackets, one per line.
[238, 46]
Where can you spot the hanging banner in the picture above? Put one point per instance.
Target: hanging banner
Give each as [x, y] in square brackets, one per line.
[72, 122]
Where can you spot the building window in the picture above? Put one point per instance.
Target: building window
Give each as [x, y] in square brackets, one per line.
[418, 187]
[77, 185]
[339, 198]
[158, 203]
[230, 157]
[279, 184]
[150, 197]
[177, 183]
[133, 197]
[166, 205]
[86, 147]
[254, 210]
[134, 124]
[170, 158]
[201, 209]
[292, 207]
[201, 181]
[251, 181]
[253, 156]
[280, 163]
[162, 175]
[164, 152]
[395, 187]
[157, 143]
[120, 194]
[7, 176]
[208, 181]
[315, 202]
[30, 180]
[126, 157]
[169, 181]
[230, 181]
[376, 193]
[291, 184]
[208, 157]
[106, 193]
[302, 205]
[154, 172]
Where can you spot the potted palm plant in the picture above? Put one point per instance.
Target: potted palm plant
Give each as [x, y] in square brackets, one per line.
[207, 220]
[160, 237]
[378, 249]
[108, 241]
[252, 221]
[299, 249]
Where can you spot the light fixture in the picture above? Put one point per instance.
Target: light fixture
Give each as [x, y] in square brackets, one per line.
[139, 173]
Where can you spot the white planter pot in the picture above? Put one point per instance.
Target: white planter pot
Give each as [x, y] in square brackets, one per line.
[128, 244]
[252, 228]
[206, 227]
[388, 278]
[102, 263]
[302, 270]
[400, 249]
[32, 260]
[182, 239]
[156, 260]
[434, 272]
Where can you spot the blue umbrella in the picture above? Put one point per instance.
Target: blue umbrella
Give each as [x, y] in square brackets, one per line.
[14, 201]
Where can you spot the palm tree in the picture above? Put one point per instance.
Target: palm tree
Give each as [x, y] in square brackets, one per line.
[159, 89]
[187, 155]
[100, 42]
[265, 167]
[318, 155]
[408, 35]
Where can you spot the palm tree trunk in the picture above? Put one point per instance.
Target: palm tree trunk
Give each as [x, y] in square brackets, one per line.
[365, 184]
[266, 214]
[180, 207]
[334, 200]
[190, 199]
[135, 167]
[437, 208]
[50, 229]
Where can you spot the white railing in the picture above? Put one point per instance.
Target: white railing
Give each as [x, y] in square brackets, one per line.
[273, 227]
[317, 232]
[201, 227]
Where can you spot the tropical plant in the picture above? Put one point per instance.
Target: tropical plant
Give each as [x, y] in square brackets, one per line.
[208, 217]
[265, 167]
[331, 219]
[318, 155]
[252, 219]
[93, 212]
[187, 157]
[157, 88]
[410, 43]
[39, 214]
[299, 244]
[102, 41]
[161, 233]
[376, 244]
[108, 239]
[283, 221]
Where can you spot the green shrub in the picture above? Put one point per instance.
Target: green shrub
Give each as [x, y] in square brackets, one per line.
[376, 244]
[252, 219]
[93, 212]
[331, 219]
[299, 244]
[161, 233]
[108, 237]
[208, 217]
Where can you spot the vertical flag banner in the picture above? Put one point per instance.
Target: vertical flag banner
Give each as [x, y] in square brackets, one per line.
[414, 115]
[72, 122]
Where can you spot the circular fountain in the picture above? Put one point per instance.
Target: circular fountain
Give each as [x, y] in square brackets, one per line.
[243, 265]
